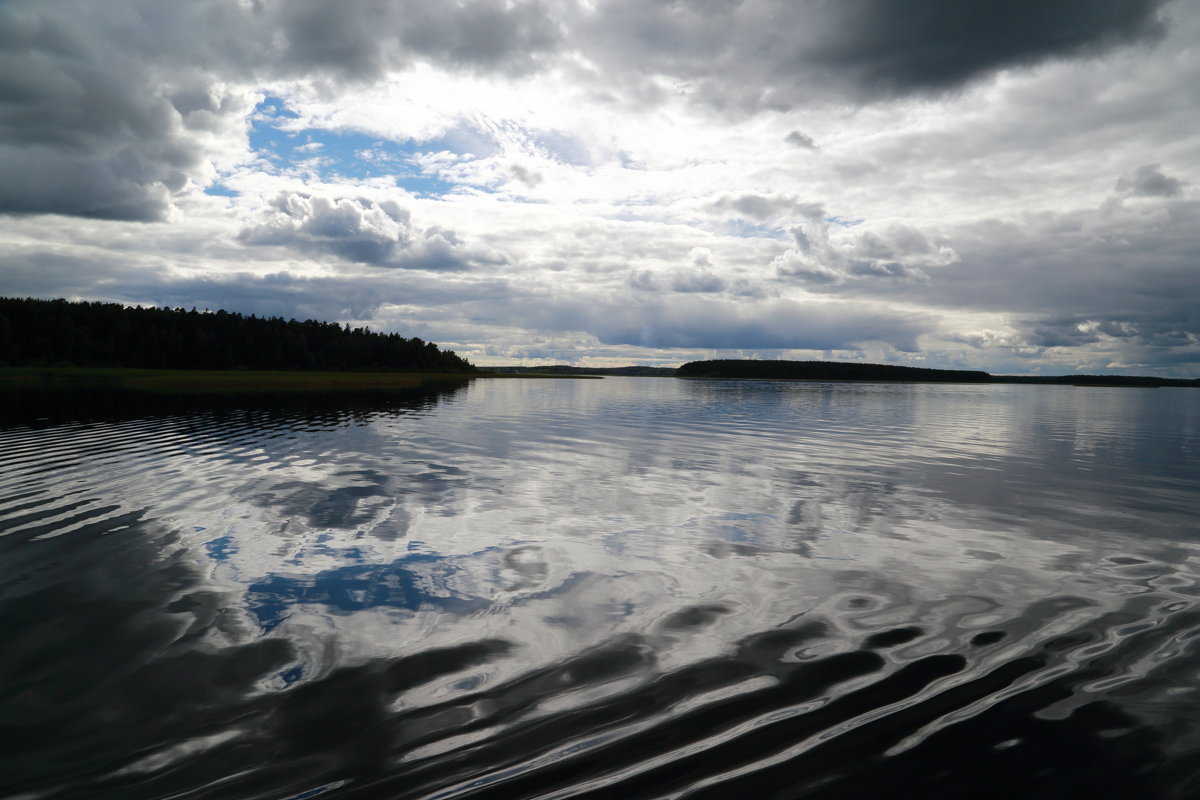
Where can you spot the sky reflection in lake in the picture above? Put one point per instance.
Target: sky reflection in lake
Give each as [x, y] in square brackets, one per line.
[626, 587]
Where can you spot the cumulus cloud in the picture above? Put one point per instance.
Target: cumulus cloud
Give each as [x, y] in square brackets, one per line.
[699, 280]
[826, 254]
[767, 208]
[1149, 181]
[363, 231]
[643, 280]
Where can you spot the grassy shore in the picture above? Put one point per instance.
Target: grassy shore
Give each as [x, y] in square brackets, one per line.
[176, 381]
[180, 381]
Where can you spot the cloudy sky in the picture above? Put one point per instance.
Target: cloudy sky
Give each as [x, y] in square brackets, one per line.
[1010, 185]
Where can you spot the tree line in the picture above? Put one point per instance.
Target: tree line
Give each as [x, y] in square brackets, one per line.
[49, 333]
[826, 371]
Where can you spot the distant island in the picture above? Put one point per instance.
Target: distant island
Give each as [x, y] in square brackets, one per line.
[746, 369]
[59, 333]
[826, 371]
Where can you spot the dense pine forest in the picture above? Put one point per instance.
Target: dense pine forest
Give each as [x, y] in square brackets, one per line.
[55, 333]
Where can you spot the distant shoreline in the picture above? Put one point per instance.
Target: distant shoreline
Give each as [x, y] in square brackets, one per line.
[174, 381]
[216, 381]
[746, 369]
[185, 381]
[838, 372]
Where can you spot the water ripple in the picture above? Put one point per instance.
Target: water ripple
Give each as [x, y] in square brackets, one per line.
[618, 588]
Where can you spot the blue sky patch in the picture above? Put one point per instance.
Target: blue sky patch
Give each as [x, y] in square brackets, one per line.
[747, 230]
[350, 155]
[219, 189]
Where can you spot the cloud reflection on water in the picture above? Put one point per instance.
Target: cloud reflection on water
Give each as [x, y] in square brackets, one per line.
[617, 586]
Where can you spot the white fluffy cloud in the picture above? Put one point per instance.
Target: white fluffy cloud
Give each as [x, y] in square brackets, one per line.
[361, 231]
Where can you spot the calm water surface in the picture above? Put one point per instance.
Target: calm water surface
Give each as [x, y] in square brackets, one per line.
[622, 588]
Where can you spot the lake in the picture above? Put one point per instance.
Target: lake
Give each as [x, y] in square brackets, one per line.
[627, 588]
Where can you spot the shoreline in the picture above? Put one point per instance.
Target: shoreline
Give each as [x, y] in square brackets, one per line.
[171, 381]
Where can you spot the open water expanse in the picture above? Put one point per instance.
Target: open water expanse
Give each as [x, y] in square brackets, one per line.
[625, 588]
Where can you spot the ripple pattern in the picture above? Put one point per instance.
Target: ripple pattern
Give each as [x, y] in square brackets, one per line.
[604, 589]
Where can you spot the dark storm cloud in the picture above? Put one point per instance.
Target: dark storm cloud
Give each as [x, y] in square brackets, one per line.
[88, 123]
[894, 48]
[1059, 333]
[775, 53]
[363, 231]
[109, 110]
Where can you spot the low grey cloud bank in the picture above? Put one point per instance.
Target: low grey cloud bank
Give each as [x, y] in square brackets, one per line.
[696, 322]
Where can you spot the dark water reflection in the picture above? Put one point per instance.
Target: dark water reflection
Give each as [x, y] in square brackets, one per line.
[618, 588]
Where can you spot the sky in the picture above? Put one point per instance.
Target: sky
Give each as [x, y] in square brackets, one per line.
[1007, 185]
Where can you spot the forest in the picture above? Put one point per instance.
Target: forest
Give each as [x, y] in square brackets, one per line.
[60, 333]
[825, 371]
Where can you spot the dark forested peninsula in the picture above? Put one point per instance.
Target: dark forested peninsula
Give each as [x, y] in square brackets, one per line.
[825, 371]
[58, 333]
